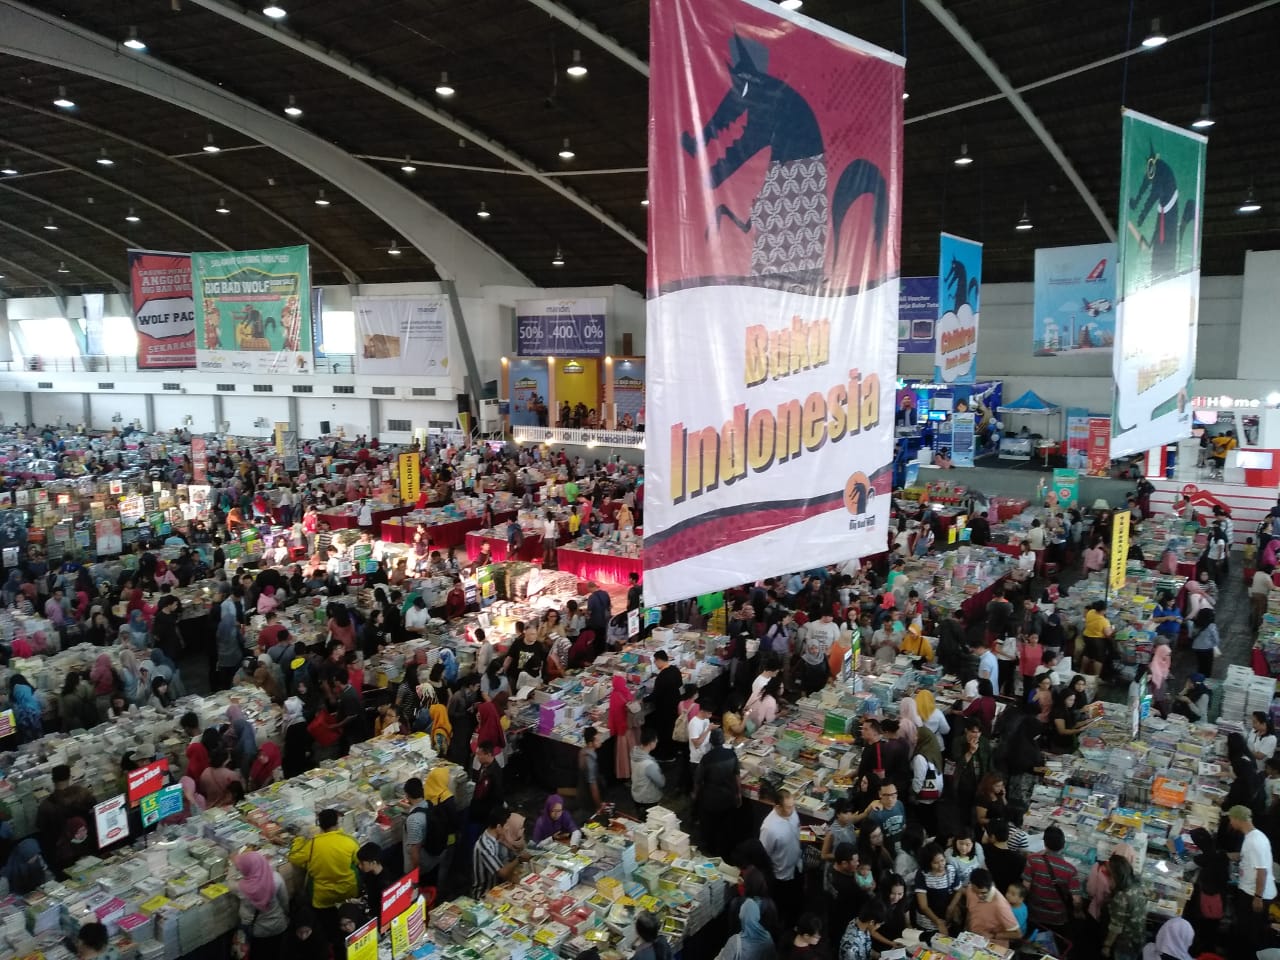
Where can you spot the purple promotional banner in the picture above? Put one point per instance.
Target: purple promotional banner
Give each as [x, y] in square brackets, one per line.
[917, 314]
[561, 328]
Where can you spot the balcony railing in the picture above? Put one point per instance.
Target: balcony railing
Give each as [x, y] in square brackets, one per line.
[333, 364]
[583, 438]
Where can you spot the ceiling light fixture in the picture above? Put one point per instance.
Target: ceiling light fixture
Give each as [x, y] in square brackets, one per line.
[576, 69]
[393, 250]
[558, 259]
[274, 11]
[322, 200]
[103, 159]
[1204, 121]
[964, 159]
[1250, 205]
[9, 170]
[905, 95]
[131, 217]
[292, 109]
[222, 206]
[407, 166]
[210, 146]
[444, 88]
[62, 267]
[63, 101]
[134, 42]
[791, 4]
[50, 225]
[1156, 38]
[566, 152]
[483, 212]
[645, 201]
[1025, 222]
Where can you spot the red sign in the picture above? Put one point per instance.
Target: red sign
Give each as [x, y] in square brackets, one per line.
[163, 311]
[1099, 447]
[199, 460]
[146, 780]
[7, 724]
[398, 897]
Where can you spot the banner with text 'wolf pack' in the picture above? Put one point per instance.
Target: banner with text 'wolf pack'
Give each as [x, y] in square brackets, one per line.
[775, 163]
[1158, 283]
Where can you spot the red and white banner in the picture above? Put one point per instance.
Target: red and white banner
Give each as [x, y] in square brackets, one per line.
[199, 460]
[163, 311]
[775, 160]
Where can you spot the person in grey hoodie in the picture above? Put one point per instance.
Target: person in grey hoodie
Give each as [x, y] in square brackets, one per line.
[647, 780]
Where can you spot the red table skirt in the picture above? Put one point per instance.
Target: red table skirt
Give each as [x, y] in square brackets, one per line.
[976, 606]
[598, 566]
[442, 535]
[338, 521]
[530, 549]
[1004, 508]
[1012, 549]
[1187, 569]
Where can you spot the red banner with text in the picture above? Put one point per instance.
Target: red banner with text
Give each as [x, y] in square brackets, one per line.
[163, 311]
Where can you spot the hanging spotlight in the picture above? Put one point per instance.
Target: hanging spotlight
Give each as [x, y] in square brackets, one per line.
[222, 206]
[322, 200]
[558, 259]
[62, 267]
[905, 95]
[444, 88]
[791, 4]
[645, 201]
[482, 213]
[1250, 205]
[63, 101]
[566, 152]
[407, 166]
[9, 170]
[1025, 222]
[393, 250]
[576, 68]
[50, 225]
[133, 42]
[103, 159]
[1204, 121]
[292, 109]
[210, 146]
[132, 217]
[274, 12]
[964, 159]
[1156, 38]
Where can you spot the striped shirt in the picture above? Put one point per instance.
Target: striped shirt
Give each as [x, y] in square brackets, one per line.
[487, 859]
[1052, 883]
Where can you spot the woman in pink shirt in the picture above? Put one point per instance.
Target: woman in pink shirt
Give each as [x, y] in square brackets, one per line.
[1095, 558]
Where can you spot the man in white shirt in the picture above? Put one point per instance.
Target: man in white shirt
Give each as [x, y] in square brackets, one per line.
[780, 837]
[1259, 591]
[364, 520]
[1256, 887]
[550, 534]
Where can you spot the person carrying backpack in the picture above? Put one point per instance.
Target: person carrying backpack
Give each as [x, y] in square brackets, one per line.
[444, 826]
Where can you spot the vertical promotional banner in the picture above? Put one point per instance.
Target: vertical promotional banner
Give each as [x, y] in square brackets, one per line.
[410, 475]
[963, 435]
[1075, 296]
[253, 310]
[1066, 486]
[94, 305]
[628, 391]
[1119, 549]
[917, 314]
[1099, 456]
[1158, 285]
[530, 384]
[199, 460]
[775, 160]
[402, 335]
[108, 537]
[959, 292]
[1078, 438]
[561, 328]
[163, 310]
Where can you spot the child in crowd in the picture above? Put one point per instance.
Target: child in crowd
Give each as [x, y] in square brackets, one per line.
[1016, 896]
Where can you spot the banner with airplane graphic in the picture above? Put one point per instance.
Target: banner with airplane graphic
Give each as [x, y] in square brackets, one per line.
[955, 359]
[1075, 299]
[1158, 286]
[775, 160]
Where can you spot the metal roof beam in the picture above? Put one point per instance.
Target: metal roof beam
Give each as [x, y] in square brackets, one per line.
[31, 34]
[119, 284]
[345, 66]
[66, 212]
[989, 67]
[178, 161]
[54, 288]
[594, 34]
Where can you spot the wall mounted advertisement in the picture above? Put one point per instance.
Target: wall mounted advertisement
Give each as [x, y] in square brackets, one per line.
[402, 336]
[917, 314]
[163, 310]
[561, 328]
[1075, 298]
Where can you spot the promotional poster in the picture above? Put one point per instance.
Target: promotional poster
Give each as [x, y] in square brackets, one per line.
[561, 328]
[775, 163]
[959, 292]
[253, 310]
[163, 311]
[917, 314]
[1075, 299]
[402, 336]
[1158, 290]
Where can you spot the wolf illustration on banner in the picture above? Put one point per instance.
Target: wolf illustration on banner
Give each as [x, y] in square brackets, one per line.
[1159, 191]
[790, 214]
[966, 290]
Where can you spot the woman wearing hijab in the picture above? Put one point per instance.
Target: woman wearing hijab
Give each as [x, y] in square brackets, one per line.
[192, 802]
[215, 782]
[1161, 661]
[441, 729]
[930, 715]
[242, 740]
[76, 704]
[265, 765]
[753, 940]
[138, 632]
[138, 604]
[267, 600]
[25, 869]
[622, 727]
[306, 939]
[555, 819]
[435, 790]
[489, 726]
[26, 709]
[162, 666]
[908, 721]
[12, 588]
[264, 903]
[130, 675]
[297, 740]
[1099, 885]
[1173, 941]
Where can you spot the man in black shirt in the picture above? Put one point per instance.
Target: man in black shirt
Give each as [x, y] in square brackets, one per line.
[634, 592]
[717, 796]
[524, 656]
[980, 530]
[844, 897]
[666, 701]
[1006, 865]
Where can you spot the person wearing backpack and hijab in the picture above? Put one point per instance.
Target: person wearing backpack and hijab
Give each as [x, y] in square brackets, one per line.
[264, 903]
[444, 827]
[297, 757]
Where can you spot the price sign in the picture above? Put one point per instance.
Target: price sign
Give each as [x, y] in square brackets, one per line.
[363, 944]
[397, 897]
[146, 780]
[112, 820]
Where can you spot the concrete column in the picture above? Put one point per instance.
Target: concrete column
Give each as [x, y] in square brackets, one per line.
[293, 415]
[150, 413]
[28, 412]
[217, 413]
[88, 410]
[375, 417]
[1259, 332]
[6, 346]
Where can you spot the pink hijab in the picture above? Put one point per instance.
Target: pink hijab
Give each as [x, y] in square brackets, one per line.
[257, 879]
[908, 720]
[1161, 659]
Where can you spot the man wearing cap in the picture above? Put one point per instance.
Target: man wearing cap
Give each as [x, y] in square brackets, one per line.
[1256, 887]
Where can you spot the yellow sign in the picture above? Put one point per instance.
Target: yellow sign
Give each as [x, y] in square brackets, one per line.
[363, 944]
[281, 427]
[1119, 548]
[408, 929]
[410, 465]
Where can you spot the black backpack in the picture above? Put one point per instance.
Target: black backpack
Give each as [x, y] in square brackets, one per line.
[439, 828]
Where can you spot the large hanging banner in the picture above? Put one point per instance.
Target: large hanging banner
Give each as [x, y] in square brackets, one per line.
[402, 336]
[960, 269]
[561, 328]
[917, 314]
[775, 161]
[163, 312]
[253, 310]
[1075, 296]
[1158, 286]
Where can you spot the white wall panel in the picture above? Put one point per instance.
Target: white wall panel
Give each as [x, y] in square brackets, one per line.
[242, 411]
[51, 408]
[351, 415]
[103, 406]
[172, 409]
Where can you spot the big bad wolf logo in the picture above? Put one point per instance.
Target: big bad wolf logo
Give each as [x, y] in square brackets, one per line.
[858, 496]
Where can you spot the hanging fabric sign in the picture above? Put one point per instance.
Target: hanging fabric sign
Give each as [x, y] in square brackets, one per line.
[960, 288]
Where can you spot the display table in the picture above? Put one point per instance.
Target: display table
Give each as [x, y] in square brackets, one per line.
[530, 548]
[1001, 509]
[598, 566]
[442, 535]
[976, 606]
[341, 520]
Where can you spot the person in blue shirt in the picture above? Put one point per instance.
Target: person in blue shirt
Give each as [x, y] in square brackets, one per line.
[1167, 617]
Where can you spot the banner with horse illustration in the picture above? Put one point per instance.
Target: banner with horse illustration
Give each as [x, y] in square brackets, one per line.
[955, 359]
[253, 310]
[775, 162]
[1158, 283]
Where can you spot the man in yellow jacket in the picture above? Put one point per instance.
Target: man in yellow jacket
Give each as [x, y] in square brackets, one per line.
[329, 859]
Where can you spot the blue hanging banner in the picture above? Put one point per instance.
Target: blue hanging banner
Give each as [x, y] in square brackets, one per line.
[959, 295]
